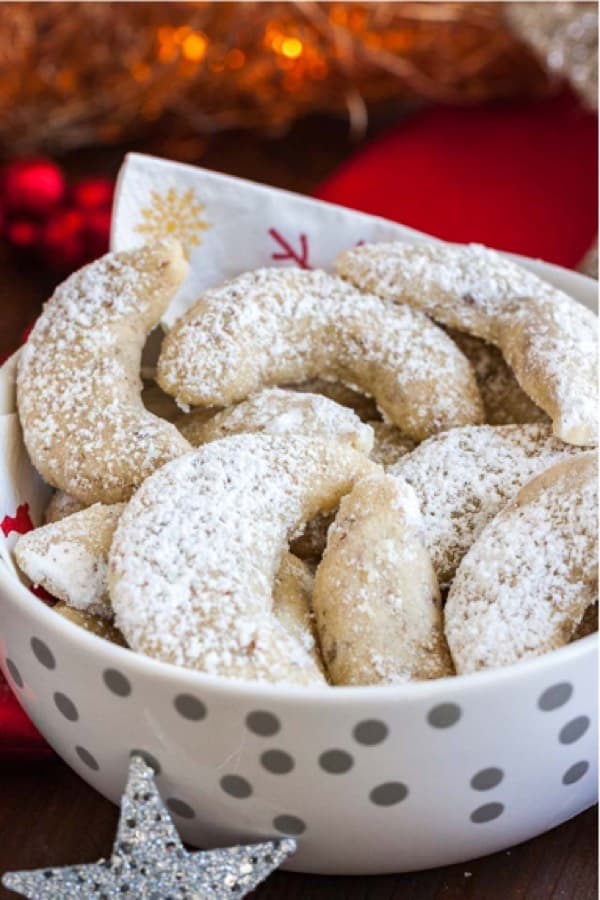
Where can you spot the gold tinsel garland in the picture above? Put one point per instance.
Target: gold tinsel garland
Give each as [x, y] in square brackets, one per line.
[80, 73]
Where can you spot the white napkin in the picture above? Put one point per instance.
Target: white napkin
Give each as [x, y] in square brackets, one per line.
[229, 226]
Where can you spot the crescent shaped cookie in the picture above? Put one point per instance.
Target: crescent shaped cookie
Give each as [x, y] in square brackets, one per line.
[78, 386]
[464, 477]
[279, 326]
[523, 588]
[292, 605]
[275, 411]
[68, 557]
[196, 551]
[376, 598]
[546, 337]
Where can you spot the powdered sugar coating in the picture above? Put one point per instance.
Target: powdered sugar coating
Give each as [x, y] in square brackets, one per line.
[279, 326]
[546, 337]
[69, 557]
[78, 385]
[196, 551]
[524, 586]
[275, 411]
[465, 476]
[376, 597]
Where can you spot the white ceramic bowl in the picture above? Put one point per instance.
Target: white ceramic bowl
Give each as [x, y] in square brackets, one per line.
[370, 780]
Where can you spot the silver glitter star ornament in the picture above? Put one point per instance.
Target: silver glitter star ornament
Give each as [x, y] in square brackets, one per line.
[564, 36]
[150, 862]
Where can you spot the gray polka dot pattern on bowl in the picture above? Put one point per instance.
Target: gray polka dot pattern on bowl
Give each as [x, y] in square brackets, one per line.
[189, 707]
[486, 779]
[87, 759]
[573, 730]
[575, 772]
[278, 762]
[290, 825]
[389, 793]
[180, 808]
[444, 715]
[370, 732]
[555, 696]
[263, 723]
[43, 653]
[116, 682]
[148, 758]
[236, 786]
[336, 762]
[487, 813]
[14, 673]
[66, 706]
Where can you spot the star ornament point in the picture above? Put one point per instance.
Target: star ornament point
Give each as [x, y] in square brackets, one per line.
[149, 860]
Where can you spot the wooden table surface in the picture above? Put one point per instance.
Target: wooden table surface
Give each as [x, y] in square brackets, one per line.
[48, 816]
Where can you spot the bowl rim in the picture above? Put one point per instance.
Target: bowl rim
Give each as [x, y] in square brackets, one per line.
[452, 686]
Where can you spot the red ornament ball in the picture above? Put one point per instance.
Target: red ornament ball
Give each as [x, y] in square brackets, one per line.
[32, 187]
[92, 193]
[22, 234]
[62, 240]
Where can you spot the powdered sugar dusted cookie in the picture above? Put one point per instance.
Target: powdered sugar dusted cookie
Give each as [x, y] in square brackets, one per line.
[69, 557]
[523, 588]
[78, 386]
[279, 326]
[388, 447]
[275, 411]
[504, 400]
[464, 477]
[376, 598]
[197, 549]
[546, 337]
[292, 604]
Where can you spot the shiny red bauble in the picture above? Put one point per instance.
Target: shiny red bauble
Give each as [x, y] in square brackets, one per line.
[31, 187]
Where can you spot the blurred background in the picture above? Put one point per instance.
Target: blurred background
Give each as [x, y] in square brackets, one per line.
[473, 121]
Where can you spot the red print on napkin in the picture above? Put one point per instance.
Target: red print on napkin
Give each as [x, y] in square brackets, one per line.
[300, 257]
[20, 523]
